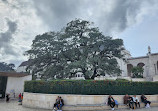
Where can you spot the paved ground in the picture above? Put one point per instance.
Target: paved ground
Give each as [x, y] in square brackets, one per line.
[13, 106]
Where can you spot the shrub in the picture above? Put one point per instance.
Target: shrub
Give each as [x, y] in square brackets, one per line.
[137, 72]
[91, 87]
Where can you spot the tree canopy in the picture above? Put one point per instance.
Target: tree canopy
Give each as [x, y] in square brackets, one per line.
[6, 67]
[78, 47]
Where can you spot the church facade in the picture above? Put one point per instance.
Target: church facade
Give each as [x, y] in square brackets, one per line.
[149, 63]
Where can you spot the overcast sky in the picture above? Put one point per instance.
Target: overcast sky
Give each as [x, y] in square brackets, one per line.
[134, 21]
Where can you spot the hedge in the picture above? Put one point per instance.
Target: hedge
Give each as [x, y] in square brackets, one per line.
[91, 87]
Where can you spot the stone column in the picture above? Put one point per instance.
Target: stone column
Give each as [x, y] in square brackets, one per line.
[151, 68]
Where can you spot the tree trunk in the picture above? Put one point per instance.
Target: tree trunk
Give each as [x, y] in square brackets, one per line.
[84, 72]
[94, 73]
[87, 77]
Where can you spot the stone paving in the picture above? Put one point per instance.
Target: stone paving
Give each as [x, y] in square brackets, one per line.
[13, 106]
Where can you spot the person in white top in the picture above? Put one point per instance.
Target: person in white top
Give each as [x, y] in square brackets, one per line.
[136, 101]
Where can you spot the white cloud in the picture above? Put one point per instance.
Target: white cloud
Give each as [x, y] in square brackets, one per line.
[28, 26]
[39, 16]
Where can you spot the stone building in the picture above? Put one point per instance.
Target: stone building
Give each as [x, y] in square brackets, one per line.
[149, 63]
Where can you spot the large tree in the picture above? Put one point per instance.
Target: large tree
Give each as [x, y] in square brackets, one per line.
[79, 47]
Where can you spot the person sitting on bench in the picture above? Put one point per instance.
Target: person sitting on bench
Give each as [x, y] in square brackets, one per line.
[111, 102]
[131, 103]
[56, 102]
[136, 101]
[145, 101]
[59, 103]
[126, 99]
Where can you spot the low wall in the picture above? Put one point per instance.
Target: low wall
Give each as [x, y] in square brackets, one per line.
[114, 78]
[138, 79]
[46, 101]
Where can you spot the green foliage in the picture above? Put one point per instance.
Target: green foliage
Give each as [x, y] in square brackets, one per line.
[79, 47]
[91, 87]
[137, 72]
[6, 67]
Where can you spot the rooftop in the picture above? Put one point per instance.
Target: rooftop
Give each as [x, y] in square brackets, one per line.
[137, 57]
[26, 63]
[13, 74]
[142, 56]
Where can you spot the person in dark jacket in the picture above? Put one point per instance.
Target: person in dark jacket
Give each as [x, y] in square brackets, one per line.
[60, 103]
[144, 100]
[56, 102]
[131, 102]
[111, 102]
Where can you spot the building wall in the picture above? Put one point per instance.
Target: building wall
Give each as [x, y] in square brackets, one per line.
[123, 67]
[153, 64]
[123, 63]
[150, 65]
[16, 84]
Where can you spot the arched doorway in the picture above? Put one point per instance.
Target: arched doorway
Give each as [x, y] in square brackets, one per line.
[129, 69]
[141, 64]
